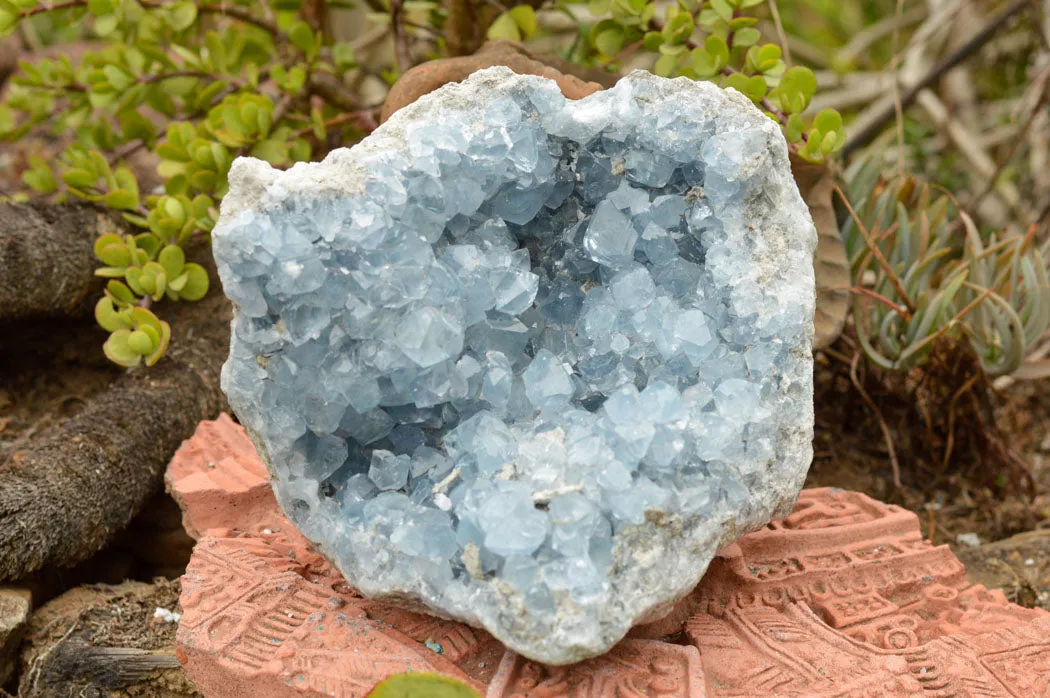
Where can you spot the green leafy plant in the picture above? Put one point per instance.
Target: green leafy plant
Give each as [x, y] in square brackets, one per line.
[923, 272]
[717, 40]
[196, 84]
[421, 685]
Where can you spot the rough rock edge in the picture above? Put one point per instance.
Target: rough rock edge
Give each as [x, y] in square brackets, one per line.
[254, 185]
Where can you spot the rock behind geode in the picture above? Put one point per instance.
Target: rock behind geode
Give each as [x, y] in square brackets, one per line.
[529, 362]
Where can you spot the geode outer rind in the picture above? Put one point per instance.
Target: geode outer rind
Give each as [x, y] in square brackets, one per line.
[527, 362]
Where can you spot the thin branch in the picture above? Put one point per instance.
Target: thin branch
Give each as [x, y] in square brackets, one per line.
[781, 34]
[862, 40]
[950, 445]
[864, 291]
[898, 107]
[401, 51]
[364, 119]
[1014, 148]
[333, 91]
[875, 250]
[126, 151]
[52, 7]
[241, 14]
[160, 77]
[868, 133]
[886, 434]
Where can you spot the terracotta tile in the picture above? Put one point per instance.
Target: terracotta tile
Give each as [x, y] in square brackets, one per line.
[217, 478]
[632, 668]
[841, 598]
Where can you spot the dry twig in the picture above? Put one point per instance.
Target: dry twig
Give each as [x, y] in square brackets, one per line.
[886, 434]
[871, 129]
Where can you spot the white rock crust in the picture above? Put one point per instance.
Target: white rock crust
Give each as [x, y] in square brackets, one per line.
[752, 280]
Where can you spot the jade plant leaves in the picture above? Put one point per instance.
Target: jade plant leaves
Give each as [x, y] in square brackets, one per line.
[422, 686]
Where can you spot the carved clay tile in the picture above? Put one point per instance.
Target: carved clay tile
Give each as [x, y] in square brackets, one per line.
[841, 599]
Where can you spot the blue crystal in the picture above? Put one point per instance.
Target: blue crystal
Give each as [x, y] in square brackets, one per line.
[527, 360]
[389, 471]
[610, 237]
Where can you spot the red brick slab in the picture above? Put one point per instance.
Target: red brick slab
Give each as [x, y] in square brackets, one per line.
[218, 480]
[842, 598]
[632, 668]
[265, 616]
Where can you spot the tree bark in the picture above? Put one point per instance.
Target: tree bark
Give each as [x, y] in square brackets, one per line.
[75, 486]
[47, 259]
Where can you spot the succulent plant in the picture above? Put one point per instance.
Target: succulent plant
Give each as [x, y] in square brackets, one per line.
[922, 271]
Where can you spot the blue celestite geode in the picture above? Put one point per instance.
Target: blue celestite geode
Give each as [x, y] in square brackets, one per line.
[528, 362]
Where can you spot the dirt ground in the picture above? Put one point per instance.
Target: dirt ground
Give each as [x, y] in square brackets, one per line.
[1012, 529]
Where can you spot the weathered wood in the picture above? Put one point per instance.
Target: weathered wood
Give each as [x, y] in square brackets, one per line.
[47, 262]
[105, 641]
[78, 484]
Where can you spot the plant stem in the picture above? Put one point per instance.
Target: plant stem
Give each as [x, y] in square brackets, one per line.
[874, 247]
[365, 119]
[159, 77]
[52, 7]
[401, 52]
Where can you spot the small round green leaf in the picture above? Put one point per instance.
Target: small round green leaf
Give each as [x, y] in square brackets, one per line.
[653, 40]
[105, 241]
[504, 27]
[140, 343]
[154, 279]
[748, 36]
[797, 86]
[609, 41]
[119, 78]
[109, 318]
[343, 55]
[133, 275]
[120, 292]
[828, 120]
[665, 65]
[143, 316]
[122, 199]
[115, 255]
[99, 8]
[704, 64]
[723, 9]
[183, 15]
[153, 333]
[196, 286]
[420, 685]
[79, 178]
[162, 346]
[119, 351]
[172, 258]
[302, 37]
[148, 243]
[795, 127]
[717, 47]
[525, 17]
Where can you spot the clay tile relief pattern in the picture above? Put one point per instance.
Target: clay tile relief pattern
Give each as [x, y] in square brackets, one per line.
[842, 598]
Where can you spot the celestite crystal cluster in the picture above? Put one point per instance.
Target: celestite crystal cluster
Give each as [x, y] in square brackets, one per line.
[529, 362]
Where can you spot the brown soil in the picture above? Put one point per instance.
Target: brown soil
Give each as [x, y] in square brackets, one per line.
[105, 641]
[850, 451]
